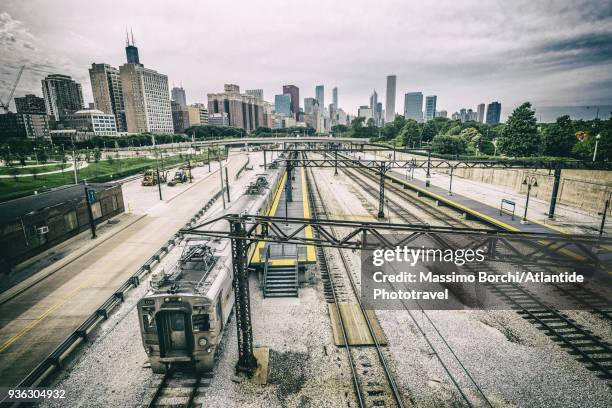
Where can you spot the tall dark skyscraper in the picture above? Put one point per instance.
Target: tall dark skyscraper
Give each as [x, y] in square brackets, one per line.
[390, 98]
[62, 94]
[178, 94]
[294, 91]
[320, 95]
[30, 104]
[131, 52]
[493, 113]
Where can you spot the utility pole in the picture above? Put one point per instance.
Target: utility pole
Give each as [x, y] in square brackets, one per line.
[75, 167]
[227, 186]
[603, 215]
[159, 184]
[428, 175]
[221, 175]
[209, 159]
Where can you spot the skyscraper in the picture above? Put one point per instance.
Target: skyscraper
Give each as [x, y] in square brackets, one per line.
[257, 93]
[282, 104]
[430, 107]
[335, 97]
[294, 91]
[108, 92]
[309, 105]
[242, 110]
[178, 95]
[493, 113]
[376, 113]
[481, 112]
[131, 52]
[413, 106]
[63, 96]
[319, 95]
[31, 104]
[390, 98]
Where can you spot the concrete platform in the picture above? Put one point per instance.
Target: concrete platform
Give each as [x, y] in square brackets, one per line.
[34, 322]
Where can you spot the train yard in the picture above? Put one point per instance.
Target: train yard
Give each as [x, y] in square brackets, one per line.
[321, 345]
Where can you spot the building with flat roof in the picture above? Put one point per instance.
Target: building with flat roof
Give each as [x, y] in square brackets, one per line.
[390, 98]
[92, 120]
[481, 112]
[493, 113]
[178, 95]
[294, 92]
[24, 125]
[62, 95]
[218, 119]
[180, 117]
[413, 106]
[282, 104]
[364, 112]
[108, 92]
[257, 93]
[430, 107]
[147, 100]
[319, 95]
[197, 114]
[31, 104]
[243, 111]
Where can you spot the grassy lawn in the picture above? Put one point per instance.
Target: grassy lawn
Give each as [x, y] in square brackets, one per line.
[26, 170]
[102, 171]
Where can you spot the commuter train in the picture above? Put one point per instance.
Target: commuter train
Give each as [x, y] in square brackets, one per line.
[183, 315]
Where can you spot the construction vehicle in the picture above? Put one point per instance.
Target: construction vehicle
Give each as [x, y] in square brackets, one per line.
[150, 177]
[182, 175]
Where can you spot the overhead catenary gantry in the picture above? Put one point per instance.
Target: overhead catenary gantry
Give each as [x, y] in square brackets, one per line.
[246, 230]
[382, 166]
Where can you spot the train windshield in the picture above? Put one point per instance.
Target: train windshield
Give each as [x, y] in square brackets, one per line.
[174, 339]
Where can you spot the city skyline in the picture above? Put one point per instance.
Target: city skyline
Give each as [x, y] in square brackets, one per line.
[506, 57]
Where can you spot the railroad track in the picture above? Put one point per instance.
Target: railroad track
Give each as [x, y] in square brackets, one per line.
[373, 382]
[179, 389]
[589, 349]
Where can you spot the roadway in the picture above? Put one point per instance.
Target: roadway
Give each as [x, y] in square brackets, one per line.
[33, 323]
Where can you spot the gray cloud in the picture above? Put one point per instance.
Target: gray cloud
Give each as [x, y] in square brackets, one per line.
[554, 52]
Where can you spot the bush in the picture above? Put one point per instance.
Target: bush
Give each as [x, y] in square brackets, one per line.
[448, 144]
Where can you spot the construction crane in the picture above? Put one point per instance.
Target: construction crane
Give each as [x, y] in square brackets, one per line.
[5, 105]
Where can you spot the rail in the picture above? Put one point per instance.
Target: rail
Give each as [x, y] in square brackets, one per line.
[54, 360]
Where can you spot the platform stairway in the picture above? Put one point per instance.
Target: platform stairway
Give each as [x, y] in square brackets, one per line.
[280, 281]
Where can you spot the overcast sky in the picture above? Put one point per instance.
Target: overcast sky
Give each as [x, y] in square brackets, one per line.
[466, 52]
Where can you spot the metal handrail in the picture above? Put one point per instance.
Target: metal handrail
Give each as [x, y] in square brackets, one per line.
[265, 277]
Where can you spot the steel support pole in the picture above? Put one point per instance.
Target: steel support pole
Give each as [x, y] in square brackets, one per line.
[265, 164]
[159, 184]
[227, 186]
[289, 184]
[428, 175]
[221, 176]
[555, 192]
[381, 196]
[92, 222]
[603, 215]
[247, 363]
[335, 162]
[524, 220]
[450, 186]
[209, 160]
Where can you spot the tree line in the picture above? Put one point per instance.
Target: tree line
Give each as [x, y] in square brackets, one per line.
[520, 136]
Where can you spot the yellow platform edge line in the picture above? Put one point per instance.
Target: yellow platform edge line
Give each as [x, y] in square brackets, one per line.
[490, 220]
[310, 250]
[277, 195]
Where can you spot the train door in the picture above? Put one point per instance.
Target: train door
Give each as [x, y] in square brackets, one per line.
[173, 339]
[220, 312]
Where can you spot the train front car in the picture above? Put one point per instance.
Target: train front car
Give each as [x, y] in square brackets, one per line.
[183, 316]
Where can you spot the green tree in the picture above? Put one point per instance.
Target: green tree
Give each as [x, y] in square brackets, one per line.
[559, 138]
[410, 133]
[454, 130]
[520, 136]
[392, 129]
[430, 130]
[339, 129]
[97, 155]
[448, 144]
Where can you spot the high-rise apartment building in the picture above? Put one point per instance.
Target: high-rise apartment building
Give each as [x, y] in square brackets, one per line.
[493, 113]
[309, 105]
[27, 125]
[31, 104]
[108, 92]
[180, 117]
[364, 111]
[282, 105]
[147, 100]
[257, 93]
[335, 97]
[319, 95]
[178, 94]
[198, 114]
[390, 98]
[62, 94]
[243, 111]
[430, 107]
[413, 106]
[441, 114]
[294, 91]
[481, 112]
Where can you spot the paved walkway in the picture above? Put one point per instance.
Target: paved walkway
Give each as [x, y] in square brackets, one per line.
[33, 323]
[81, 165]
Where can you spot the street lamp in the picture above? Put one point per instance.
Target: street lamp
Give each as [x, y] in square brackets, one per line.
[596, 144]
[603, 214]
[529, 182]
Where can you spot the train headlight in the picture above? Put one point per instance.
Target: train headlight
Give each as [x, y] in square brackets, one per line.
[202, 342]
[166, 300]
[180, 299]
